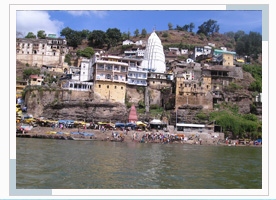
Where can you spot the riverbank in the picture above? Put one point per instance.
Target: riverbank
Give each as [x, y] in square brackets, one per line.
[121, 136]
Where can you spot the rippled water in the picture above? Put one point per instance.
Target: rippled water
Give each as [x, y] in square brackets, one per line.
[57, 164]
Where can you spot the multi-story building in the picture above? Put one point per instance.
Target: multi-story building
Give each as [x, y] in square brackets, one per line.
[110, 77]
[49, 51]
[226, 58]
[136, 75]
[193, 92]
[86, 70]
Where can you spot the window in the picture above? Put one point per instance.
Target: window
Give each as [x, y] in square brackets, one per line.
[115, 87]
[107, 86]
[122, 87]
[181, 85]
[108, 76]
[83, 73]
[99, 86]
[153, 82]
[194, 85]
[207, 86]
[116, 77]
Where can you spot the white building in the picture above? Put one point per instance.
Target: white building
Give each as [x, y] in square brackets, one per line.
[127, 42]
[184, 51]
[137, 76]
[140, 42]
[202, 51]
[78, 85]
[175, 49]
[86, 70]
[154, 59]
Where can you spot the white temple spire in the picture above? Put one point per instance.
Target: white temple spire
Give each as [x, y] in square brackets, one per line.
[154, 59]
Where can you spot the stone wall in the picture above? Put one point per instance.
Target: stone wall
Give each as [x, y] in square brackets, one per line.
[39, 60]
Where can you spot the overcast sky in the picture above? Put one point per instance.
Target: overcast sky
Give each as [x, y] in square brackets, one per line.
[52, 22]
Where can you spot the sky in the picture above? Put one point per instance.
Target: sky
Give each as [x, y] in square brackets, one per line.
[52, 22]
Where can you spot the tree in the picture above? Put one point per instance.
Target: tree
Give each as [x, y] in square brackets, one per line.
[73, 37]
[179, 28]
[208, 27]
[41, 34]
[124, 36]
[191, 27]
[170, 25]
[249, 44]
[97, 38]
[230, 34]
[238, 35]
[85, 33]
[144, 33]
[185, 27]
[136, 33]
[128, 34]
[88, 52]
[30, 35]
[113, 36]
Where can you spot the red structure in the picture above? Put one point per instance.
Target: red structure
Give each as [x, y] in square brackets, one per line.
[132, 118]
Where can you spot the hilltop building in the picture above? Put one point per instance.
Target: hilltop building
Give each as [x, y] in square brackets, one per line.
[38, 52]
[154, 59]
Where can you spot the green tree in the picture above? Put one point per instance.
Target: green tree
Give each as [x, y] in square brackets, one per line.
[41, 34]
[208, 27]
[128, 34]
[136, 33]
[114, 36]
[185, 27]
[85, 33]
[191, 27]
[68, 59]
[230, 34]
[124, 36]
[144, 33]
[73, 37]
[30, 35]
[238, 35]
[250, 45]
[88, 52]
[97, 38]
[170, 25]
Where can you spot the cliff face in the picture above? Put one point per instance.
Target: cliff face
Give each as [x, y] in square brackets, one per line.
[73, 105]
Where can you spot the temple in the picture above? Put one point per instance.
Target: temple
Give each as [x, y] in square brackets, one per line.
[154, 58]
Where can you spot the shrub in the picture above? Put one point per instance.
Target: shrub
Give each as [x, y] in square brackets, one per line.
[165, 35]
[141, 104]
[154, 106]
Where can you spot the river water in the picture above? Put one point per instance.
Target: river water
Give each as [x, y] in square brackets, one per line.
[64, 164]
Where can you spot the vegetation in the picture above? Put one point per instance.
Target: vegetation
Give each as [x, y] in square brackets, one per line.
[239, 126]
[88, 52]
[41, 34]
[256, 72]
[68, 59]
[28, 72]
[74, 38]
[208, 27]
[30, 35]
[170, 25]
[144, 33]
[136, 33]
[248, 44]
